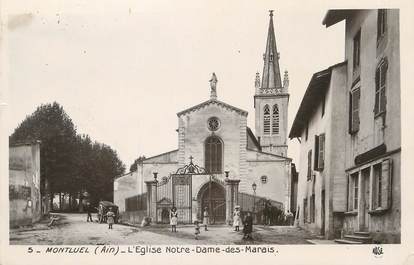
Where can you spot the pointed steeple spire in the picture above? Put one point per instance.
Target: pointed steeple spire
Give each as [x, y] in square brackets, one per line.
[271, 71]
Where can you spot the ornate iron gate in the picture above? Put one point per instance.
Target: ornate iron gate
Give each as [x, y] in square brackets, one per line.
[176, 191]
[182, 197]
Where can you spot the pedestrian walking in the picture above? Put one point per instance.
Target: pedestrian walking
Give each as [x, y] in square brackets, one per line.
[236, 218]
[196, 229]
[206, 219]
[110, 215]
[89, 212]
[173, 219]
[248, 226]
[289, 218]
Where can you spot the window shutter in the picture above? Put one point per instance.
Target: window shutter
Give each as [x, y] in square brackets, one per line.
[383, 86]
[350, 113]
[379, 14]
[315, 161]
[309, 164]
[355, 110]
[377, 90]
[386, 183]
[321, 159]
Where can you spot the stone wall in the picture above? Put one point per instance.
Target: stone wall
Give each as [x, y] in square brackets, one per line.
[125, 187]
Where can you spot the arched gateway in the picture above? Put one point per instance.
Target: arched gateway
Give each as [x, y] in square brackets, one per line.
[213, 196]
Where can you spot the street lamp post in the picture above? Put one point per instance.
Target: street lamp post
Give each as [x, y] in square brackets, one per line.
[155, 196]
[254, 186]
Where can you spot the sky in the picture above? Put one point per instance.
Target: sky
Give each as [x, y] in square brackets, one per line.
[123, 69]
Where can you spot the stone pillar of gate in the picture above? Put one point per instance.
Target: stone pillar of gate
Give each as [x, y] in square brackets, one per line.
[232, 198]
[152, 200]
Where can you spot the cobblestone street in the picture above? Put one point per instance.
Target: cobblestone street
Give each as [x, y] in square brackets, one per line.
[72, 229]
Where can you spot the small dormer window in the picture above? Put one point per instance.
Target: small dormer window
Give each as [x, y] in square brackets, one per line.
[271, 57]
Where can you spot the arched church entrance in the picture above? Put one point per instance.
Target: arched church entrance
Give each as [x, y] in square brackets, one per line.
[212, 196]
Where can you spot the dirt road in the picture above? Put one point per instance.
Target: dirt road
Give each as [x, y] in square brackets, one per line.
[72, 229]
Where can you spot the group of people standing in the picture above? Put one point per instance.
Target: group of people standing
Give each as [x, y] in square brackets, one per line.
[174, 221]
[110, 215]
[237, 222]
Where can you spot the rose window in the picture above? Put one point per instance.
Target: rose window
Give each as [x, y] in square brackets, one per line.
[213, 124]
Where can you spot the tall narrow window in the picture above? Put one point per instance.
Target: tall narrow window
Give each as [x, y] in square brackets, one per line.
[266, 120]
[321, 152]
[309, 165]
[315, 160]
[357, 51]
[213, 155]
[381, 23]
[275, 120]
[355, 96]
[380, 87]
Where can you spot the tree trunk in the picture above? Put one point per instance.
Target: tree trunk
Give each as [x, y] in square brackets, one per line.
[70, 202]
[60, 201]
[51, 201]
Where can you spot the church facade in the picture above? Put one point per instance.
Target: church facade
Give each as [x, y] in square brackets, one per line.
[219, 162]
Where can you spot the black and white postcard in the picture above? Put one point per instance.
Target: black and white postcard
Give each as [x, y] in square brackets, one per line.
[194, 131]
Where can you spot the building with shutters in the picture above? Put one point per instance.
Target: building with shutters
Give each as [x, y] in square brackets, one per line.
[360, 199]
[219, 162]
[319, 124]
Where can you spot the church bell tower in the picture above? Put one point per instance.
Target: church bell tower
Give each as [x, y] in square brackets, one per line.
[271, 100]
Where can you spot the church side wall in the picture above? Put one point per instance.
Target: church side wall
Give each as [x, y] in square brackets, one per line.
[276, 174]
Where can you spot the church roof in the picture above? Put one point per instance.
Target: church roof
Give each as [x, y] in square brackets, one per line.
[253, 138]
[271, 71]
[212, 102]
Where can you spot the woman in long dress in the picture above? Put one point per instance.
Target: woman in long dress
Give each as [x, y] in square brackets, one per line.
[236, 218]
[173, 219]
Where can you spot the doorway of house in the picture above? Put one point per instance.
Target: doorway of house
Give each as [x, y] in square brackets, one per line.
[213, 197]
[365, 204]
